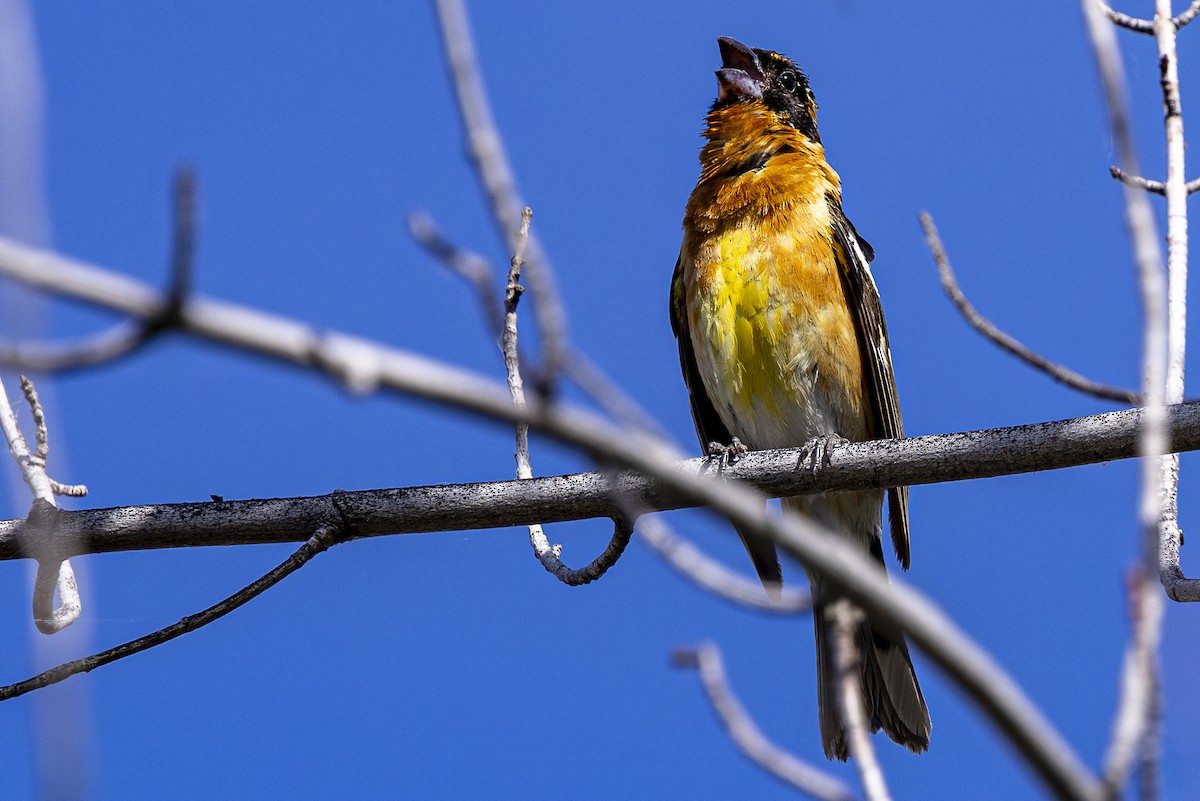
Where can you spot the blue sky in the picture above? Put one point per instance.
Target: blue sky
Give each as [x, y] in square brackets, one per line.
[452, 665]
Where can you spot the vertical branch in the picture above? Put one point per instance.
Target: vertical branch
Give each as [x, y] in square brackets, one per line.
[1175, 190]
[508, 346]
[1136, 703]
[183, 244]
[1152, 741]
[546, 553]
[53, 574]
[844, 621]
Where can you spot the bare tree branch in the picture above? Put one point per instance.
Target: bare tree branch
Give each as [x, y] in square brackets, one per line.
[844, 620]
[322, 539]
[578, 366]
[1151, 747]
[488, 154]
[1150, 26]
[1060, 373]
[714, 577]
[1187, 16]
[968, 665]
[1170, 538]
[746, 735]
[52, 578]
[456, 507]
[1137, 711]
[471, 267]
[125, 337]
[1156, 491]
[54, 573]
[546, 553]
[88, 351]
[1157, 187]
[1136, 698]
[508, 347]
[1126, 21]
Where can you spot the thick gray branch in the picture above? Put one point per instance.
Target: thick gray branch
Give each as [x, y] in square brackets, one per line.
[454, 507]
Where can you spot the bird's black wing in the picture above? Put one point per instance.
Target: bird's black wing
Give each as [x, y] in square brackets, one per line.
[884, 401]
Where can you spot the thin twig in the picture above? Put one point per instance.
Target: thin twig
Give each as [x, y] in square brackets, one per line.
[125, 337]
[1187, 16]
[844, 621]
[714, 577]
[59, 357]
[747, 736]
[508, 342]
[546, 553]
[322, 539]
[54, 574]
[41, 431]
[578, 366]
[1058, 372]
[471, 267]
[183, 249]
[488, 154]
[42, 437]
[1126, 21]
[1157, 187]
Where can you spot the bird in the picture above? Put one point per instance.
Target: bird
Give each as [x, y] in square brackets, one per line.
[783, 343]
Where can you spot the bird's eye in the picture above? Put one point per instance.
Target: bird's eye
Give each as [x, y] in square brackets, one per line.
[787, 81]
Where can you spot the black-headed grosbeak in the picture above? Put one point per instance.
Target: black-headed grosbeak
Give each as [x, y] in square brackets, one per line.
[782, 341]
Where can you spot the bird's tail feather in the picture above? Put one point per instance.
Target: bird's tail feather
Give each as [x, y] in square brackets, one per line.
[893, 698]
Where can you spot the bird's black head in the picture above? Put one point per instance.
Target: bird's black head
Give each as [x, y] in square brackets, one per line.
[749, 75]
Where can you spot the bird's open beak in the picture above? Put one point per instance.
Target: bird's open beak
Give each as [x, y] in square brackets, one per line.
[740, 76]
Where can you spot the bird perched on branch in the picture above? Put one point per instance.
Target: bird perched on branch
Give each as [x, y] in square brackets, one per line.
[783, 343]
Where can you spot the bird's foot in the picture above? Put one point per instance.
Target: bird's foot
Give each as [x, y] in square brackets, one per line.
[817, 451]
[727, 454]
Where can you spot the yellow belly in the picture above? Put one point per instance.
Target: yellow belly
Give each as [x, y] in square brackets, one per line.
[774, 339]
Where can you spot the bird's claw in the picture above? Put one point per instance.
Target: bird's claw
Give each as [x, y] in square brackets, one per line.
[727, 454]
[817, 451]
